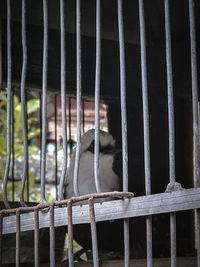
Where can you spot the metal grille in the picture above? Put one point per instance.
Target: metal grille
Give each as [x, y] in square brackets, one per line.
[173, 200]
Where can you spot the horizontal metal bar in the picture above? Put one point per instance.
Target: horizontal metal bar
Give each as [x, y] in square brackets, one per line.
[140, 206]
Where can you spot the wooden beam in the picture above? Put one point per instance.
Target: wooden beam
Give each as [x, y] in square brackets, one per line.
[140, 206]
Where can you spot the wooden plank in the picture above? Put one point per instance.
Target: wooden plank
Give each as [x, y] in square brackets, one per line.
[181, 262]
[163, 262]
[140, 206]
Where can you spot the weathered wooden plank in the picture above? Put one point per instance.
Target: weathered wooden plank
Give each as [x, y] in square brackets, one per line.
[181, 262]
[140, 206]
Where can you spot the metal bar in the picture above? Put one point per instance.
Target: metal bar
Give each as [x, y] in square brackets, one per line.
[195, 115]
[171, 127]
[27, 174]
[93, 233]
[70, 234]
[97, 94]
[40, 99]
[23, 104]
[52, 236]
[146, 127]
[145, 99]
[63, 97]
[173, 238]
[70, 128]
[18, 237]
[187, 199]
[13, 146]
[124, 125]
[123, 96]
[56, 146]
[83, 116]
[170, 93]
[194, 92]
[78, 94]
[1, 237]
[0, 53]
[9, 79]
[36, 238]
[114, 194]
[44, 99]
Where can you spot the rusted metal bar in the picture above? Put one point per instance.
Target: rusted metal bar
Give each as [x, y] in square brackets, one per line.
[78, 94]
[52, 236]
[97, 95]
[70, 234]
[9, 80]
[63, 97]
[44, 99]
[146, 128]
[18, 237]
[23, 104]
[123, 125]
[114, 194]
[36, 237]
[93, 233]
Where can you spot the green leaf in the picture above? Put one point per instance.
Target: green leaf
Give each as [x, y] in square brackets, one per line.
[33, 105]
[33, 134]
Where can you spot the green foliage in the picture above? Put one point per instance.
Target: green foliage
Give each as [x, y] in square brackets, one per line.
[32, 106]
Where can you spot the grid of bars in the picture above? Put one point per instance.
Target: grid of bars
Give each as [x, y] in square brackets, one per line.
[123, 126]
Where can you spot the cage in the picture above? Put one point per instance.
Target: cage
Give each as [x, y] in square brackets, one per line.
[126, 67]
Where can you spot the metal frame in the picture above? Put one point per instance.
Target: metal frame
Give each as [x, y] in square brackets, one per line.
[178, 199]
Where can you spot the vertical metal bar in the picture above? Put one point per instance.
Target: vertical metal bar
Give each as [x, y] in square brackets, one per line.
[124, 125]
[9, 79]
[1, 237]
[63, 97]
[170, 93]
[18, 237]
[52, 236]
[173, 238]
[44, 99]
[0, 54]
[83, 115]
[36, 237]
[123, 96]
[195, 115]
[70, 128]
[78, 94]
[146, 128]
[23, 104]
[70, 234]
[194, 92]
[56, 145]
[13, 145]
[93, 234]
[171, 126]
[40, 116]
[27, 172]
[97, 94]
